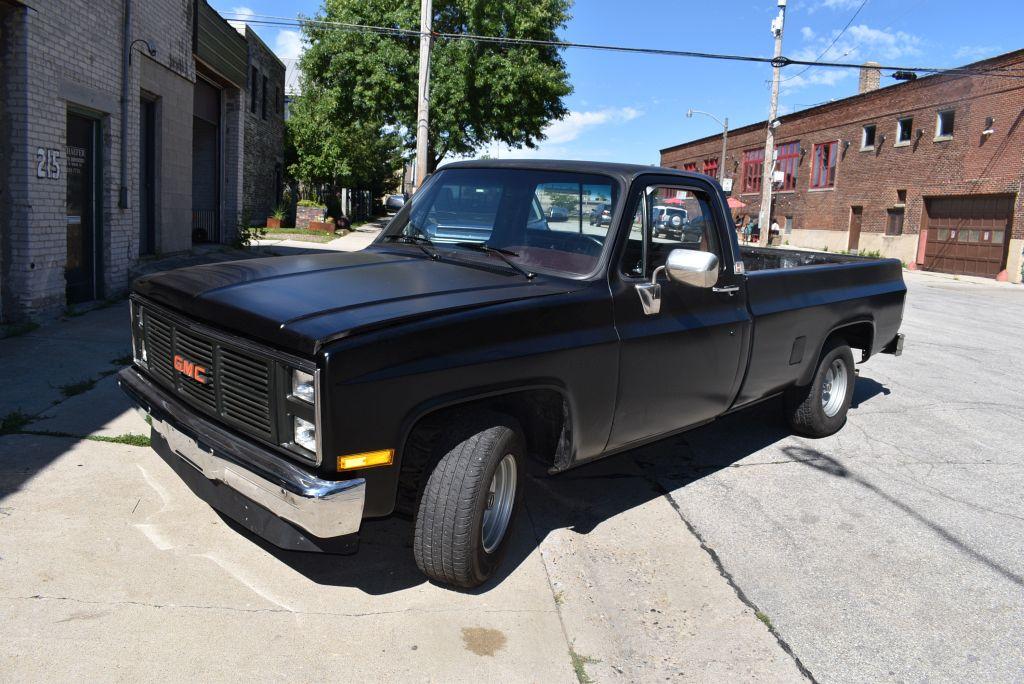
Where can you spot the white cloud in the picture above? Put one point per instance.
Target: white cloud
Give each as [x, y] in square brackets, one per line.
[558, 134]
[807, 32]
[833, 5]
[288, 44]
[240, 15]
[859, 43]
[573, 125]
[975, 52]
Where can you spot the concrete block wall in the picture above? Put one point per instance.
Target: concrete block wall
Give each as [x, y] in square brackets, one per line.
[67, 55]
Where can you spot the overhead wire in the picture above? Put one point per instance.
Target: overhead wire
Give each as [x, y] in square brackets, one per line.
[267, 20]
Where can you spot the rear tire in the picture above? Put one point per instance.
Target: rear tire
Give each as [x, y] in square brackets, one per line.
[819, 409]
[470, 500]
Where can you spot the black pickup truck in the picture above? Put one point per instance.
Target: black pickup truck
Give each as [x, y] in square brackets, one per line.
[300, 395]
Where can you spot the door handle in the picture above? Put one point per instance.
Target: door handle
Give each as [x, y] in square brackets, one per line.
[730, 289]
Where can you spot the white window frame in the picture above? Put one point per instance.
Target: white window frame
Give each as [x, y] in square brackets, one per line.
[939, 137]
[899, 129]
[864, 136]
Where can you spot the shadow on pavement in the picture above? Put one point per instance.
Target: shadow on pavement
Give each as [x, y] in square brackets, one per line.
[578, 500]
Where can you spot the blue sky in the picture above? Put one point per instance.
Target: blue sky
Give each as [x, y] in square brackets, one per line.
[627, 107]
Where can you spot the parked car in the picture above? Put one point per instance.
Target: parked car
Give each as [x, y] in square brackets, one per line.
[671, 222]
[395, 203]
[557, 214]
[601, 215]
[303, 394]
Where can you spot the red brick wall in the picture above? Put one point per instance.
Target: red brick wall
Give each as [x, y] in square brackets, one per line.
[969, 163]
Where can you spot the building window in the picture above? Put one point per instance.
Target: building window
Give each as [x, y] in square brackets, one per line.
[944, 125]
[787, 157]
[904, 130]
[263, 101]
[894, 226]
[867, 137]
[753, 160]
[254, 77]
[690, 166]
[823, 171]
[711, 167]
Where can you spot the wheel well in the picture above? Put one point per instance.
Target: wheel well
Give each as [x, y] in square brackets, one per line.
[543, 415]
[858, 335]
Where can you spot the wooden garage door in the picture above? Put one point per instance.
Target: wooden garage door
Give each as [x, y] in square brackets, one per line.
[968, 235]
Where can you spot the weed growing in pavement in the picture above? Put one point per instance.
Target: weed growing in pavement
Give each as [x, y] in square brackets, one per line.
[129, 439]
[76, 388]
[764, 618]
[13, 422]
[15, 329]
[579, 666]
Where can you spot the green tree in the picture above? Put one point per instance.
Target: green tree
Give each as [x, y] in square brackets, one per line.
[358, 86]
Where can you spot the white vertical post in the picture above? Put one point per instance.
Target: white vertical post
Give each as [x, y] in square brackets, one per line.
[764, 216]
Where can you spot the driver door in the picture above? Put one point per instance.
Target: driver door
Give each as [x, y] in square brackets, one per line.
[680, 366]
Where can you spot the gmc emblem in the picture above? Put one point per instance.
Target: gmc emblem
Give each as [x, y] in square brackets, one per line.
[189, 368]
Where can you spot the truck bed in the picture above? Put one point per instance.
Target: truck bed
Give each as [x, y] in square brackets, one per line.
[797, 298]
[768, 258]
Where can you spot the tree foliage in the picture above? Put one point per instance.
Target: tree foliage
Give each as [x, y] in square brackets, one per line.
[358, 107]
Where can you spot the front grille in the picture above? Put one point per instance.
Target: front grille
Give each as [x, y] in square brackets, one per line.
[238, 384]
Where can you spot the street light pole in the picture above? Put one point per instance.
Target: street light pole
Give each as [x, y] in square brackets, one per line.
[725, 138]
[764, 215]
[423, 93]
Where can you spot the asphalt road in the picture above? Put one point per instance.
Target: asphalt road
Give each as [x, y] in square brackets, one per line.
[893, 551]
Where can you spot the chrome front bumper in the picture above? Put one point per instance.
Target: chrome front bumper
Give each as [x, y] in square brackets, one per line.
[325, 509]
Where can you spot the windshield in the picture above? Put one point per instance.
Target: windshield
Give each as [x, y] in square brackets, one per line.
[544, 221]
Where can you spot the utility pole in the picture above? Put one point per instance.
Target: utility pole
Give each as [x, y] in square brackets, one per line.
[423, 95]
[764, 216]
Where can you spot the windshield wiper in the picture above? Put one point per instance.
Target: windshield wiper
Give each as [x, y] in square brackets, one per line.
[502, 254]
[419, 240]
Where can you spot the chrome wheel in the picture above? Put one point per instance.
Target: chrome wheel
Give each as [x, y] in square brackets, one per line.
[501, 495]
[833, 388]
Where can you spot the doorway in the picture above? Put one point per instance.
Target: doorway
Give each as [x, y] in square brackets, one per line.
[856, 217]
[147, 180]
[84, 269]
[206, 176]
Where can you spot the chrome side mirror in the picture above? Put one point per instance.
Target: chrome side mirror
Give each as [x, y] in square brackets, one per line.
[687, 266]
[691, 267]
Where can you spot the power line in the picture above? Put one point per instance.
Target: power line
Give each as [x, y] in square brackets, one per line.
[266, 20]
[834, 41]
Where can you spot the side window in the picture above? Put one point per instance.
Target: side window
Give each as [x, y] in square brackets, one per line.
[668, 218]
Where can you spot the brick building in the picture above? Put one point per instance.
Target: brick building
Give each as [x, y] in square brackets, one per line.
[927, 171]
[121, 136]
[264, 131]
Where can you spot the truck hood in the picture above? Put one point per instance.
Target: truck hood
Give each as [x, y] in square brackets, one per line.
[300, 302]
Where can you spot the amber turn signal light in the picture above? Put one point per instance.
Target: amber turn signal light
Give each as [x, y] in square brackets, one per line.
[367, 459]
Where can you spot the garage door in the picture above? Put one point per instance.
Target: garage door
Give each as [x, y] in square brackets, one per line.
[968, 235]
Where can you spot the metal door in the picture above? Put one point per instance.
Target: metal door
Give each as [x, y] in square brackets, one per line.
[968, 235]
[856, 217]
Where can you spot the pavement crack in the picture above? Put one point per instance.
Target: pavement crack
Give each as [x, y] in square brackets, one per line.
[726, 575]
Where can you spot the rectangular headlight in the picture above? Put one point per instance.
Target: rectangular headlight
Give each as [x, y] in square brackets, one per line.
[304, 434]
[303, 386]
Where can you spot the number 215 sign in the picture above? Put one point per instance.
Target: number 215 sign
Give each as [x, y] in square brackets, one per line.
[47, 163]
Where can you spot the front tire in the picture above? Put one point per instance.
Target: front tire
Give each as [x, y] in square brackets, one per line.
[470, 500]
[819, 409]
